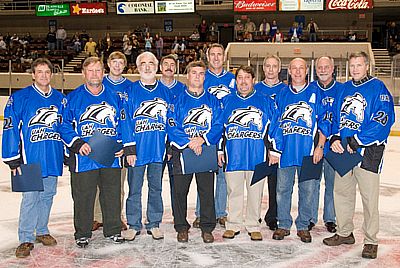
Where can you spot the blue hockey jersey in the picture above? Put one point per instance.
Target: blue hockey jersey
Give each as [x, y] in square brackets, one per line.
[85, 113]
[30, 132]
[176, 88]
[270, 91]
[121, 86]
[301, 116]
[219, 85]
[246, 123]
[144, 127]
[195, 116]
[364, 113]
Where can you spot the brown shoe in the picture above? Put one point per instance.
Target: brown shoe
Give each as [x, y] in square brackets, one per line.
[230, 234]
[46, 240]
[24, 250]
[196, 223]
[370, 251]
[304, 235]
[337, 240]
[222, 221]
[124, 226]
[207, 237]
[96, 225]
[183, 236]
[255, 236]
[279, 234]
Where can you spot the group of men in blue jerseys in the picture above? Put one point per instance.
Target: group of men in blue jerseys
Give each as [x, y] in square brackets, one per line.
[157, 119]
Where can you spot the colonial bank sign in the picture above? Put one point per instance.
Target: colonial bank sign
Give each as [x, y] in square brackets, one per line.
[348, 4]
[254, 5]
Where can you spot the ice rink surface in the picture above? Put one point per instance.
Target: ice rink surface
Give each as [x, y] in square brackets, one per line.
[239, 252]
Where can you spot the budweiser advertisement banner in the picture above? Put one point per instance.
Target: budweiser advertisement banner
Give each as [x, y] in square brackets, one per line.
[85, 9]
[348, 4]
[254, 5]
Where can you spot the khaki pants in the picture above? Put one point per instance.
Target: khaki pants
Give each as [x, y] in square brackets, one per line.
[97, 208]
[235, 181]
[345, 201]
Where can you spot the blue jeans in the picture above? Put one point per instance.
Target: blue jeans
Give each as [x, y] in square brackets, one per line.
[329, 209]
[284, 190]
[221, 195]
[155, 207]
[35, 211]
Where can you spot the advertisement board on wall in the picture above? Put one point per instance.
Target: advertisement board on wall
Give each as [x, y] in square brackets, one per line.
[85, 9]
[177, 6]
[126, 8]
[52, 10]
[348, 4]
[254, 5]
[301, 5]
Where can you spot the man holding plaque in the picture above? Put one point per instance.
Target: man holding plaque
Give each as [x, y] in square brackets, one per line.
[194, 121]
[93, 108]
[363, 114]
[30, 137]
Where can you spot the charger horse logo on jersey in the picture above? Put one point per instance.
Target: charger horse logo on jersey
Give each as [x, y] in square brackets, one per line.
[99, 113]
[355, 104]
[153, 108]
[200, 116]
[45, 117]
[219, 91]
[296, 111]
[244, 116]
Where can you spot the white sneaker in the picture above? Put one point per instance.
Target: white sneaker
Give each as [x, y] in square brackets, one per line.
[130, 234]
[156, 233]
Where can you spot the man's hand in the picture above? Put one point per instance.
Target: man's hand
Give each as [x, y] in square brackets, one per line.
[131, 159]
[195, 142]
[119, 153]
[273, 159]
[337, 147]
[318, 154]
[350, 150]
[85, 149]
[197, 150]
[169, 156]
[221, 160]
[16, 171]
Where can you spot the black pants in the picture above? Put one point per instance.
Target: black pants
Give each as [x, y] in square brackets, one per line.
[84, 187]
[271, 214]
[205, 190]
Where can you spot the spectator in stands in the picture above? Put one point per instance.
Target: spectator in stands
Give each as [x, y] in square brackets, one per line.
[148, 42]
[61, 35]
[393, 33]
[264, 27]
[278, 37]
[135, 48]
[247, 37]
[76, 43]
[312, 29]
[239, 28]
[126, 36]
[195, 36]
[213, 32]
[295, 32]
[108, 49]
[249, 26]
[3, 45]
[90, 48]
[84, 37]
[127, 49]
[28, 38]
[274, 28]
[146, 29]
[14, 38]
[107, 38]
[183, 43]
[51, 40]
[203, 30]
[159, 46]
[138, 31]
[7, 38]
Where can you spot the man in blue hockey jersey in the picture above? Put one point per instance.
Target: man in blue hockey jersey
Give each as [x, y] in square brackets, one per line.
[270, 87]
[168, 65]
[114, 80]
[247, 117]
[363, 114]
[304, 133]
[144, 138]
[194, 121]
[325, 66]
[93, 107]
[219, 83]
[30, 136]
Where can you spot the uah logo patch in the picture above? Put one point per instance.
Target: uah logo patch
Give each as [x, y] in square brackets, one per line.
[354, 104]
[296, 111]
[45, 116]
[328, 101]
[200, 116]
[219, 91]
[99, 113]
[244, 116]
[152, 109]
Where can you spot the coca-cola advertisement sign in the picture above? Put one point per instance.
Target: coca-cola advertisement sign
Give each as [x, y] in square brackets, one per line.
[254, 5]
[348, 4]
